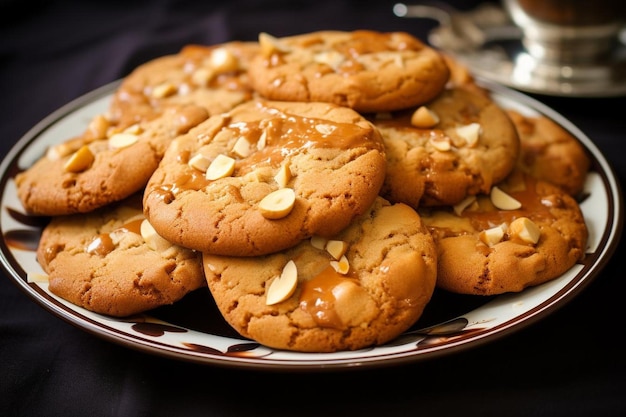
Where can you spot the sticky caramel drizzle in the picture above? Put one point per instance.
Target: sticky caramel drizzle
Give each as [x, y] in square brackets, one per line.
[318, 298]
[103, 244]
[285, 135]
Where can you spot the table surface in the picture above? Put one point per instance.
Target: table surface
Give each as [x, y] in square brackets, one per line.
[571, 363]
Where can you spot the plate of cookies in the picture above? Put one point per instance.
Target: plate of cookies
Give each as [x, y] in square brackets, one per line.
[326, 200]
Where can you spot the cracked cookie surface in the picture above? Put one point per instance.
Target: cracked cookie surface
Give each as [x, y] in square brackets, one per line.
[330, 156]
[472, 262]
[368, 71]
[86, 173]
[421, 172]
[101, 261]
[390, 280]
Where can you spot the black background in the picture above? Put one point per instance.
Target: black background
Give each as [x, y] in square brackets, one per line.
[572, 363]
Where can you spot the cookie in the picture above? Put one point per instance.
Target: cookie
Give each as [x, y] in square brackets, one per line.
[550, 152]
[220, 188]
[368, 71]
[459, 144]
[495, 245]
[214, 77]
[385, 276]
[461, 76]
[110, 262]
[88, 172]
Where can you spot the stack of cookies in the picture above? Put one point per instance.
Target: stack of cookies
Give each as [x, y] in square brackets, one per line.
[321, 186]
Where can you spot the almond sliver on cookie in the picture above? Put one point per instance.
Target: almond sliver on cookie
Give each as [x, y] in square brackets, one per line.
[283, 287]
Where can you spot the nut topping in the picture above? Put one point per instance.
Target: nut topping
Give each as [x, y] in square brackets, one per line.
[342, 266]
[492, 236]
[325, 129]
[80, 160]
[318, 242]
[277, 204]
[459, 208]
[502, 200]
[336, 248]
[283, 287]
[441, 143]
[242, 147]
[199, 162]
[469, 133]
[283, 176]
[333, 59]
[152, 238]
[122, 140]
[424, 118]
[223, 60]
[164, 90]
[222, 166]
[269, 45]
[525, 229]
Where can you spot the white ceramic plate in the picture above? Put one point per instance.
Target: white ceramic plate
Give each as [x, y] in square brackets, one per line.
[193, 330]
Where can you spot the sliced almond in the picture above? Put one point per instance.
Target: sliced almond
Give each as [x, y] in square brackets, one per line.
[341, 266]
[283, 287]
[333, 59]
[98, 127]
[318, 242]
[336, 248]
[424, 118]
[135, 129]
[152, 238]
[223, 60]
[80, 160]
[277, 204]
[283, 175]
[122, 140]
[269, 45]
[242, 147]
[441, 143]
[199, 162]
[525, 229]
[202, 77]
[325, 129]
[222, 166]
[459, 208]
[470, 133]
[163, 90]
[262, 142]
[492, 236]
[36, 277]
[502, 200]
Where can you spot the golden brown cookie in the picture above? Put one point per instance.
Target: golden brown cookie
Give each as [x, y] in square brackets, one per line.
[88, 172]
[550, 152]
[461, 76]
[494, 245]
[383, 277]
[458, 144]
[214, 77]
[264, 176]
[110, 261]
[368, 71]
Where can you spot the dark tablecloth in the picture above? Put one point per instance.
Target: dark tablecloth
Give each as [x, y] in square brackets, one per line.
[571, 363]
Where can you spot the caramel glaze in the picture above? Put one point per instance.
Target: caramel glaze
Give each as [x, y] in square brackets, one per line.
[534, 206]
[318, 297]
[285, 135]
[103, 244]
